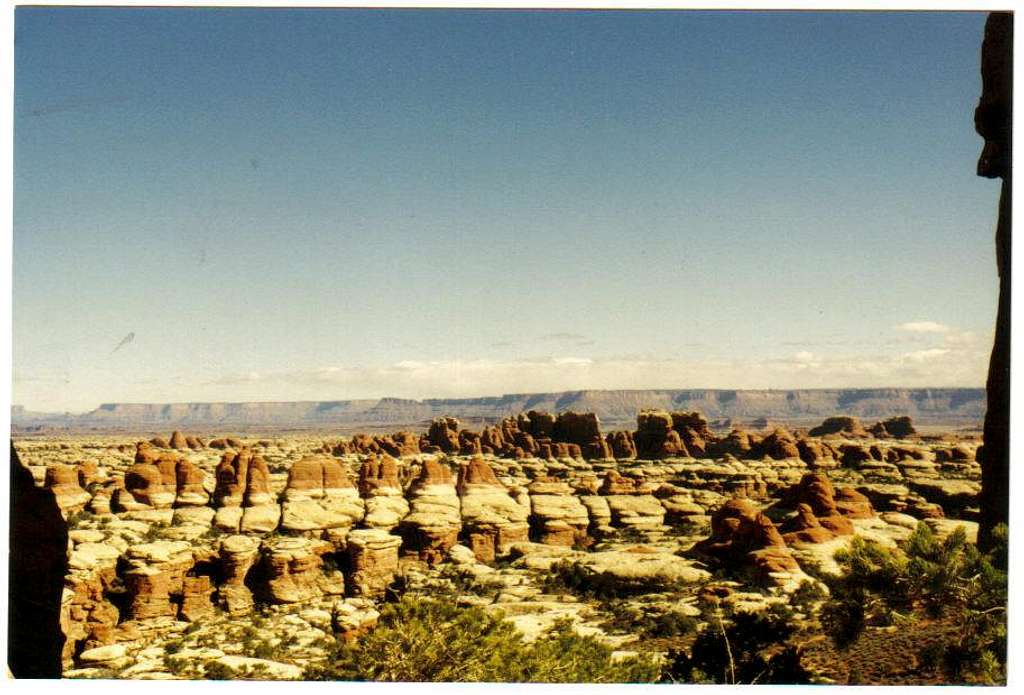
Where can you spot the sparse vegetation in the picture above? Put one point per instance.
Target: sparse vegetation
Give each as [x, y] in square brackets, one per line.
[740, 648]
[927, 579]
[431, 641]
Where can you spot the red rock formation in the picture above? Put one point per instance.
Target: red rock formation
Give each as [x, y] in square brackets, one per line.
[407, 442]
[742, 537]
[88, 473]
[178, 441]
[737, 443]
[444, 434]
[536, 423]
[469, 443]
[655, 437]
[815, 453]
[237, 556]
[852, 504]
[434, 520]
[145, 483]
[815, 490]
[622, 445]
[37, 565]
[780, 444]
[189, 490]
[290, 571]
[232, 474]
[62, 481]
[806, 528]
[491, 519]
[196, 602]
[373, 558]
[576, 428]
[844, 425]
[376, 473]
[145, 453]
[894, 428]
[615, 484]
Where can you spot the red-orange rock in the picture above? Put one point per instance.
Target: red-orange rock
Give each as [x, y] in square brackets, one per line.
[178, 441]
[742, 537]
[444, 433]
[622, 445]
[62, 481]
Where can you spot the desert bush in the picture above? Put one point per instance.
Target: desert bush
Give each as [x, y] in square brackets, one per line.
[740, 648]
[927, 578]
[433, 641]
[671, 624]
[571, 577]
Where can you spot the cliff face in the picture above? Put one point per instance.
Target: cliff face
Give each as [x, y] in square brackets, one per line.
[38, 564]
[948, 404]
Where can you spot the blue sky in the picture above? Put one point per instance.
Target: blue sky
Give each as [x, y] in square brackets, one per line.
[327, 204]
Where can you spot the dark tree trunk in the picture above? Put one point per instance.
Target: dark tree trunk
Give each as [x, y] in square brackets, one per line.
[993, 120]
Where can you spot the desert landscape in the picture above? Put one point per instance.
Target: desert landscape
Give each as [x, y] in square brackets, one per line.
[417, 345]
[269, 557]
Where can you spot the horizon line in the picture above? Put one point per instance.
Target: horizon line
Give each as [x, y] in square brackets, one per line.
[504, 395]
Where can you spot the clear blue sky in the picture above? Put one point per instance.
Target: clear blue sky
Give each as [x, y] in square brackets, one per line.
[316, 204]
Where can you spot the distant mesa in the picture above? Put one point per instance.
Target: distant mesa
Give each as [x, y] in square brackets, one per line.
[756, 409]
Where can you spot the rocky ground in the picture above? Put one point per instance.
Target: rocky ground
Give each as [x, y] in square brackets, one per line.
[192, 558]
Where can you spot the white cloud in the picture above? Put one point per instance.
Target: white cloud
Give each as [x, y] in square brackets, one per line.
[926, 355]
[924, 327]
[945, 366]
[949, 365]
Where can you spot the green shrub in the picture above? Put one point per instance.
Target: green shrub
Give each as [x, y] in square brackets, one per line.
[216, 671]
[929, 578]
[743, 648]
[433, 641]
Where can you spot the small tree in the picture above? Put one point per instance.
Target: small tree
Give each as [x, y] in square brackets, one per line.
[928, 578]
[742, 648]
[423, 640]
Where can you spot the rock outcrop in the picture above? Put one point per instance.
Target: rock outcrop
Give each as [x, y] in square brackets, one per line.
[373, 558]
[557, 517]
[742, 539]
[319, 496]
[434, 520]
[63, 482]
[491, 519]
[655, 438]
